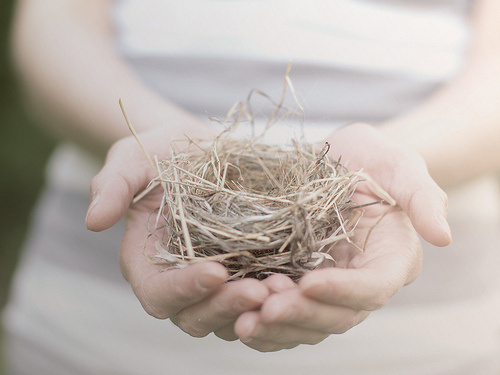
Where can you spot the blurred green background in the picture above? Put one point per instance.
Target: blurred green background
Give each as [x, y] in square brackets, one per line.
[24, 148]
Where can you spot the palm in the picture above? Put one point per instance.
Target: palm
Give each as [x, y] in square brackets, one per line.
[389, 243]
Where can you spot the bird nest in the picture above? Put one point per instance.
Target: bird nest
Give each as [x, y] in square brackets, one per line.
[255, 208]
[258, 209]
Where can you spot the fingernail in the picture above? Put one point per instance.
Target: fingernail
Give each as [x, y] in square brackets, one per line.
[444, 225]
[92, 204]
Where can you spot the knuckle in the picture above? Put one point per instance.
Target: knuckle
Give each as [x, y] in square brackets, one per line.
[191, 325]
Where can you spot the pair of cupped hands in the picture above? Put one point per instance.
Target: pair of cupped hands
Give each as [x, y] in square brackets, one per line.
[277, 313]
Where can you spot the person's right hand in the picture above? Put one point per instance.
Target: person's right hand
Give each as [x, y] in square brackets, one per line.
[196, 298]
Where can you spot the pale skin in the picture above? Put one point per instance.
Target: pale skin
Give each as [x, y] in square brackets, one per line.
[276, 313]
[326, 301]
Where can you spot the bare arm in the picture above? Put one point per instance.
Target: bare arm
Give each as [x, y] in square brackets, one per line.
[457, 131]
[73, 77]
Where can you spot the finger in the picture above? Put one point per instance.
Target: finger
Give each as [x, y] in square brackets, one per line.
[294, 308]
[164, 294]
[271, 337]
[167, 293]
[420, 198]
[222, 308]
[368, 288]
[278, 283]
[393, 258]
[125, 173]
[227, 333]
[402, 173]
[128, 171]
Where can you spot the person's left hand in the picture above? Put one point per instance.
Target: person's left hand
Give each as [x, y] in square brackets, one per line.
[333, 300]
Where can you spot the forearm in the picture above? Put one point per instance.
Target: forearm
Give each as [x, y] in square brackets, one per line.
[73, 77]
[457, 130]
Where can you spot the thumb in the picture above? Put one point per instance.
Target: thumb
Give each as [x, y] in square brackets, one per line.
[402, 174]
[425, 203]
[125, 173]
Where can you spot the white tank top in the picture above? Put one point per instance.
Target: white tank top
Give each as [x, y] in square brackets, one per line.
[351, 59]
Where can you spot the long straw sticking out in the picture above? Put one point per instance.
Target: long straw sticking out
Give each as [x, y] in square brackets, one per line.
[136, 136]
